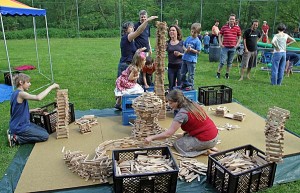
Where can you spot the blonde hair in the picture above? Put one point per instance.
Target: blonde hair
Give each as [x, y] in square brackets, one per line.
[196, 27]
[20, 77]
[183, 102]
[137, 60]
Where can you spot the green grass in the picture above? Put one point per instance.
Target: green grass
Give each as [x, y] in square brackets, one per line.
[88, 68]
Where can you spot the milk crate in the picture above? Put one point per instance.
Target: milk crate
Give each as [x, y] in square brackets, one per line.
[47, 117]
[127, 101]
[213, 95]
[150, 89]
[7, 79]
[252, 180]
[163, 182]
[190, 94]
[128, 116]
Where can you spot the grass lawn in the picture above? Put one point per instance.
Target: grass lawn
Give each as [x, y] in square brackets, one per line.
[88, 68]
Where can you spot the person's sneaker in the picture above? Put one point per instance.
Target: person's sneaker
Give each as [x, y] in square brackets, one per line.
[118, 106]
[12, 141]
[227, 76]
[218, 75]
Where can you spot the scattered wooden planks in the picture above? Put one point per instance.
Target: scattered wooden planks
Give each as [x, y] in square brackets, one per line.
[144, 164]
[240, 162]
[191, 169]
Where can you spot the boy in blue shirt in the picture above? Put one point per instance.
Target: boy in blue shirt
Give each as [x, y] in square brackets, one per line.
[191, 47]
[21, 130]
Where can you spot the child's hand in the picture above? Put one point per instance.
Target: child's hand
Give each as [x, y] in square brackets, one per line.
[176, 53]
[55, 86]
[146, 86]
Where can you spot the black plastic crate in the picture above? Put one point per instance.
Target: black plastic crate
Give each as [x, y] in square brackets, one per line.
[47, 117]
[213, 95]
[147, 182]
[7, 79]
[251, 180]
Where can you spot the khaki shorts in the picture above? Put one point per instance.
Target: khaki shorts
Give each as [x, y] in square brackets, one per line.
[249, 59]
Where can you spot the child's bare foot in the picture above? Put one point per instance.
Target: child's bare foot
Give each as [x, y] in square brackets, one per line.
[241, 79]
[248, 77]
[214, 149]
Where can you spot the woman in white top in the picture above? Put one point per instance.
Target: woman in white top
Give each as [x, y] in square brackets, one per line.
[279, 43]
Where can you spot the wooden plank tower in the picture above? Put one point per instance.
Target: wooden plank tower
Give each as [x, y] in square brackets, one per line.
[160, 59]
[274, 132]
[62, 101]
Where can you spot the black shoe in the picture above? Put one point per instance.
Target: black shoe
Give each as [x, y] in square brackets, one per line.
[218, 75]
[118, 107]
[227, 76]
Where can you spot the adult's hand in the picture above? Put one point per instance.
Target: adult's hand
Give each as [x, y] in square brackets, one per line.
[152, 18]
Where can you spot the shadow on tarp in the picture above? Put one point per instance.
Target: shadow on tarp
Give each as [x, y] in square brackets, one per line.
[287, 171]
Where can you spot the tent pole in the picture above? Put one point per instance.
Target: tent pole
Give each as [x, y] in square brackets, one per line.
[7, 56]
[49, 50]
[36, 46]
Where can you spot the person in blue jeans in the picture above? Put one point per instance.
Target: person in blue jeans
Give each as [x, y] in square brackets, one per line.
[21, 130]
[279, 43]
[192, 47]
[206, 41]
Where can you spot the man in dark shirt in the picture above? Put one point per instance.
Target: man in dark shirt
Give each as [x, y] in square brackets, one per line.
[251, 36]
[143, 39]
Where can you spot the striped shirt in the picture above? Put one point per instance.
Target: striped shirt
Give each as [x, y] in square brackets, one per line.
[230, 35]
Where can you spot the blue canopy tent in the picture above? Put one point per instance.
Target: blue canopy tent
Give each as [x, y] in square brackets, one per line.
[15, 8]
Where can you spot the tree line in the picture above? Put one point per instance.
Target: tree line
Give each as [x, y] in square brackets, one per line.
[92, 15]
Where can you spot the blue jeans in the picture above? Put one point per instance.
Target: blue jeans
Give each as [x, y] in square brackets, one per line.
[32, 134]
[173, 76]
[227, 55]
[121, 68]
[278, 67]
[187, 67]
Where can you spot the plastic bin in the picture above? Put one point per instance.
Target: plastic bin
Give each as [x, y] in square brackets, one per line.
[213, 95]
[190, 94]
[127, 101]
[128, 116]
[164, 182]
[48, 117]
[214, 53]
[251, 180]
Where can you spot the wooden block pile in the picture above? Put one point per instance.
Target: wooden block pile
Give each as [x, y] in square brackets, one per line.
[221, 111]
[86, 122]
[147, 108]
[274, 133]
[99, 168]
[228, 126]
[144, 164]
[191, 169]
[239, 162]
[62, 101]
[159, 88]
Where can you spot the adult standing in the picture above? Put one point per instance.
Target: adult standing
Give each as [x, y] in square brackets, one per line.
[143, 40]
[251, 36]
[229, 39]
[215, 33]
[265, 30]
[279, 43]
[175, 53]
[127, 45]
